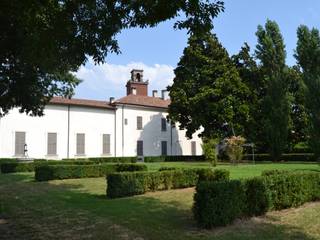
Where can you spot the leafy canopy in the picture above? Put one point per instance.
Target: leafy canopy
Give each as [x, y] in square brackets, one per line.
[207, 92]
[42, 41]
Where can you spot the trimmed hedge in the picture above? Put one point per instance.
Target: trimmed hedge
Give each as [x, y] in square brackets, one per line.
[129, 184]
[105, 159]
[45, 172]
[219, 204]
[288, 157]
[11, 167]
[18, 166]
[180, 158]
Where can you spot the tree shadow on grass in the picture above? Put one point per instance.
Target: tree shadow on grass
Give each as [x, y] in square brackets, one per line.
[50, 211]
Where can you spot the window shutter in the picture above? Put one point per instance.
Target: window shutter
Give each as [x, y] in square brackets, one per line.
[106, 144]
[20, 140]
[163, 124]
[80, 143]
[140, 148]
[52, 144]
[139, 122]
[193, 148]
[164, 148]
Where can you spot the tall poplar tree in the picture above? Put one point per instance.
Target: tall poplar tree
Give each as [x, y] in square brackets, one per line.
[270, 50]
[308, 57]
[207, 91]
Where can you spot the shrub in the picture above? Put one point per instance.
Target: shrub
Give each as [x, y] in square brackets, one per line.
[292, 189]
[218, 203]
[209, 150]
[167, 169]
[273, 172]
[257, 200]
[131, 167]
[11, 167]
[180, 158]
[287, 157]
[234, 148]
[216, 175]
[105, 159]
[45, 172]
[128, 184]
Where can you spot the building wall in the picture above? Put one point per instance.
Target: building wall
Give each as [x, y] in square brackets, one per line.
[151, 134]
[93, 122]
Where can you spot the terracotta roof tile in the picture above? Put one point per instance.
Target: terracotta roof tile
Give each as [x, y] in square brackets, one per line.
[144, 101]
[81, 102]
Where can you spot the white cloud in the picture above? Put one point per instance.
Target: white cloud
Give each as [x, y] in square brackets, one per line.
[105, 80]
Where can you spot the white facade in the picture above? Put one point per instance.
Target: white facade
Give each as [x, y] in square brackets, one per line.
[105, 131]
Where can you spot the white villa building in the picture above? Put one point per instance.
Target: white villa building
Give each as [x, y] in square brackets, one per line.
[134, 125]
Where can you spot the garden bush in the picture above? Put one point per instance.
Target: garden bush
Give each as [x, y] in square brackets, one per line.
[220, 203]
[180, 158]
[288, 157]
[11, 167]
[105, 159]
[128, 184]
[45, 172]
[131, 167]
[167, 169]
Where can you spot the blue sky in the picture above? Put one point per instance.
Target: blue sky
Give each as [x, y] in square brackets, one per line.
[157, 50]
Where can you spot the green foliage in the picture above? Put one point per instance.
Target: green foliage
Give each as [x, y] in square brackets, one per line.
[167, 169]
[105, 159]
[291, 157]
[69, 32]
[234, 148]
[273, 172]
[218, 203]
[129, 184]
[292, 189]
[270, 50]
[251, 75]
[207, 90]
[307, 55]
[11, 167]
[209, 150]
[216, 175]
[45, 172]
[178, 158]
[125, 167]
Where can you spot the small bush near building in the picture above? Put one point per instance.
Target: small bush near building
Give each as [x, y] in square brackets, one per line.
[105, 159]
[219, 204]
[234, 148]
[209, 150]
[128, 184]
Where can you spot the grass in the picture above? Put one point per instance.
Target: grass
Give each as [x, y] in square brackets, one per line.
[78, 209]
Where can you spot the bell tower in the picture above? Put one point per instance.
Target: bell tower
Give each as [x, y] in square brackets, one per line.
[136, 85]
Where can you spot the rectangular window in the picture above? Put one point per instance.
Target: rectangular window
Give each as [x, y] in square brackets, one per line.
[139, 122]
[106, 144]
[140, 148]
[20, 141]
[81, 143]
[163, 148]
[52, 144]
[163, 125]
[193, 148]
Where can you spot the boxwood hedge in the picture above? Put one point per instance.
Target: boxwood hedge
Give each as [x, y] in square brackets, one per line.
[45, 172]
[219, 204]
[128, 184]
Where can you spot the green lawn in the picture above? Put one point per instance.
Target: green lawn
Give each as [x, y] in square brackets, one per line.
[78, 209]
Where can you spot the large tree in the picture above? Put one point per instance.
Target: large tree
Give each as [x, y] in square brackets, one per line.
[207, 91]
[270, 50]
[42, 41]
[250, 74]
[308, 57]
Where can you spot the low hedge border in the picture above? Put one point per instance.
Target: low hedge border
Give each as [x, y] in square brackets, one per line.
[129, 184]
[180, 158]
[105, 159]
[45, 172]
[287, 157]
[219, 204]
